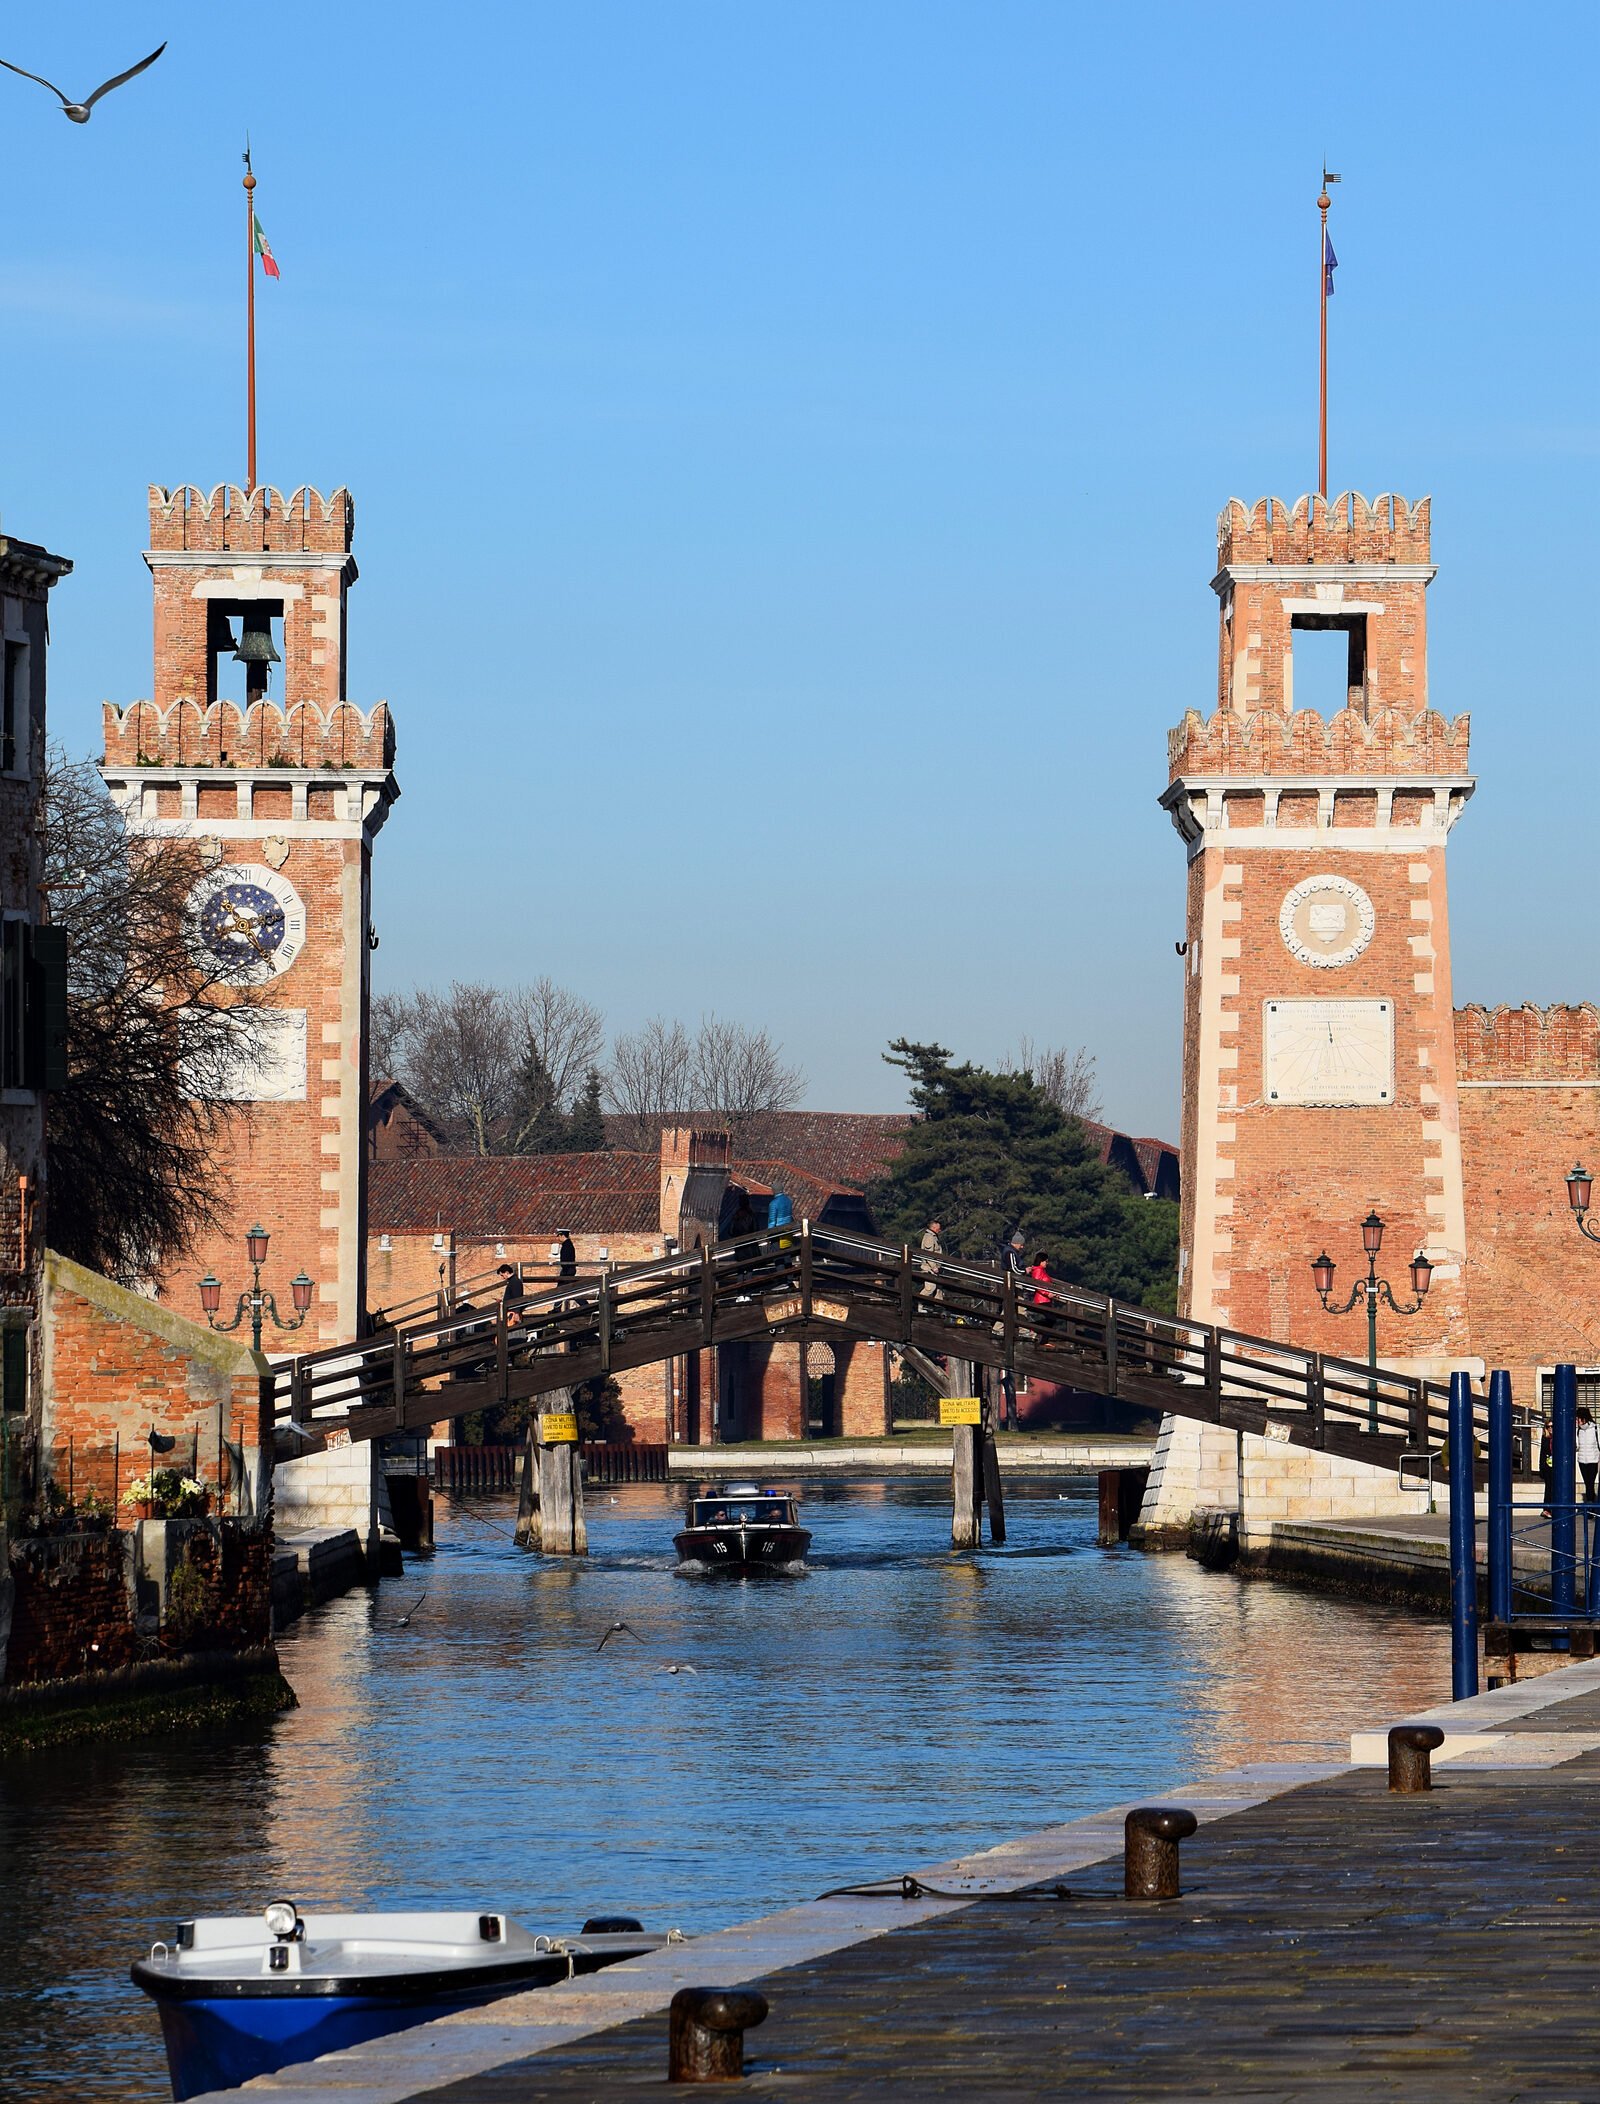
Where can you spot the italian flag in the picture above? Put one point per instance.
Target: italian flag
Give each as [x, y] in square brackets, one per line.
[269, 262]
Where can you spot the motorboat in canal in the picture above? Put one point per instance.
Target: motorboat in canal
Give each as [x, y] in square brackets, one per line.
[743, 1529]
[244, 1995]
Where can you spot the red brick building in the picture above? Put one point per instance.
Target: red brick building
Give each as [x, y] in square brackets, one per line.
[285, 786]
[1326, 1069]
[443, 1223]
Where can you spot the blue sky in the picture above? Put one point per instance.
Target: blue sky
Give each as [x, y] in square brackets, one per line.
[787, 441]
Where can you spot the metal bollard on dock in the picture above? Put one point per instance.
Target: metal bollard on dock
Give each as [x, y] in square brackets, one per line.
[1151, 1834]
[706, 2027]
[1411, 1757]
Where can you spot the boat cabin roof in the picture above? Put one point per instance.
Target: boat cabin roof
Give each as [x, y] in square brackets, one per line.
[735, 1506]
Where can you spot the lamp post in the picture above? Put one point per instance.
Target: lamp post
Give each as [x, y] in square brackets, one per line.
[257, 1301]
[1580, 1189]
[1372, 1289]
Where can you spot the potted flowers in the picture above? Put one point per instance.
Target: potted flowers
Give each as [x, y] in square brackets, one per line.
[168, 1494]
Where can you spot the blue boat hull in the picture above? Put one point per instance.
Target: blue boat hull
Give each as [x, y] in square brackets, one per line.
[219, 2042]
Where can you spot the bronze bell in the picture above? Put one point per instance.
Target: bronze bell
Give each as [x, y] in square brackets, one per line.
[255, 641]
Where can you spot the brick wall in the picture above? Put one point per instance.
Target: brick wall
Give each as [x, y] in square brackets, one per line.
[114, 1364]
[1529, 1081]
[93, 1601]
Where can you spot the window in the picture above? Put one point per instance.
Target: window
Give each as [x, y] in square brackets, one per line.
[1329, 662]
[15, 720]
[1588, 1390]
[13, 1369]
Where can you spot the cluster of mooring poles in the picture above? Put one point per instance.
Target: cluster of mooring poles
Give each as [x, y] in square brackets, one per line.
[1542, 1571]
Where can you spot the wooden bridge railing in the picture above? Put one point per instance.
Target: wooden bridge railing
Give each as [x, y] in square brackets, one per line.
[824, 1284]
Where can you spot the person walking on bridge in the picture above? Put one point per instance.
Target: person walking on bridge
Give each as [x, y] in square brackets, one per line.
[932, 1251]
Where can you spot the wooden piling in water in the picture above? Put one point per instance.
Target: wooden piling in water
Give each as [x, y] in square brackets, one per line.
[550, 1505]
[966, 1465]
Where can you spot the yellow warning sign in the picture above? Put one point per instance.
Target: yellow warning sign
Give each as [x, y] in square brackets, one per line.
[559, 1427]
[960, 1410]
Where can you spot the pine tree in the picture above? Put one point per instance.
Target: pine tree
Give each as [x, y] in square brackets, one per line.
[536, 1125]
[991, 1153]
[586, 1127]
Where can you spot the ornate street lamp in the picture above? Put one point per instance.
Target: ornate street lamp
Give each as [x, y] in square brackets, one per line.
[1372, 1289]
[1580, 1189]
[258, 1302]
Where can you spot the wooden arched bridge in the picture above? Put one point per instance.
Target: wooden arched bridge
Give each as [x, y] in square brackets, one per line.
[823, 1285]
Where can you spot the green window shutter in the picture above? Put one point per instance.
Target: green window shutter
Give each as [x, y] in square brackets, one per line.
[47, 1009]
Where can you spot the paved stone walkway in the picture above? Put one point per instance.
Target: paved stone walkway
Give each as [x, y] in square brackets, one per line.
[1333, 1944]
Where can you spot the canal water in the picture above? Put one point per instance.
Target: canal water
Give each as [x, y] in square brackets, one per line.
[894, 1706]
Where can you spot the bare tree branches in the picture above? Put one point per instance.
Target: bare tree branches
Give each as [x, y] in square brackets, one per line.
[567, 1032]
[1065, 1073]
[157, 1037]
[507, 1068]
[739, 1076]
[726, 1073]
[491, 1063]
[648, 1082]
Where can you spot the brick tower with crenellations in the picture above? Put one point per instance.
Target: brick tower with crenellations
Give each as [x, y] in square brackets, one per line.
[1319, 1062]
[249, 746]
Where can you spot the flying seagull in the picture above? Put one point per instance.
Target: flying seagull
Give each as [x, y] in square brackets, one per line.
[79, 111]
[680, 1669]
[618, 1629]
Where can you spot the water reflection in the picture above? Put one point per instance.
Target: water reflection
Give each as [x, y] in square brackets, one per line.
[892, 1706]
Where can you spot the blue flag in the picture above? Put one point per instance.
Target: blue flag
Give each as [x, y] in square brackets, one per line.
[1330, 263]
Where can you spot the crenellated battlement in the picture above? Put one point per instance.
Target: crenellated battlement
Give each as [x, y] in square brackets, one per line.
[1268, 743]
[223, 734]
[232, 520]
[1314, 529]
[1526, 1043]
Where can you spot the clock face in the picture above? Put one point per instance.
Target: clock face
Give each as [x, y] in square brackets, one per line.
[1328, 1052]
[248, 920]
[1326, 921]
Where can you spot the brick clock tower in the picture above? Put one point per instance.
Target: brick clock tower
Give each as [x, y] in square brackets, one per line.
[284, 795]
[1319, 1067]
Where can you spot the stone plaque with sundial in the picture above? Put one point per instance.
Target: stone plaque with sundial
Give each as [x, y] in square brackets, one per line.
[1328, 1052]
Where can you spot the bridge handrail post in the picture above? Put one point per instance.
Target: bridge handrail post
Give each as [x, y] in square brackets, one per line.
[708, 1293]
[1111, 1345]
[1317, 1400]
[908, 1292]
[502, 1357]
[1213, 1361]
[1417, 1414]
[398, 1375]
[1008, 1322]
[603, 1314]
[299, 1400]
[805, 1271]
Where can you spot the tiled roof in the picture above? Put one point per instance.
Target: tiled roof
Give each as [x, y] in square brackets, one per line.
[517, 1195]
[845, 1149]
[809, 1195]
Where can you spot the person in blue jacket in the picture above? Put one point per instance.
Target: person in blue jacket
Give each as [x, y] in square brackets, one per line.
[780, 1215]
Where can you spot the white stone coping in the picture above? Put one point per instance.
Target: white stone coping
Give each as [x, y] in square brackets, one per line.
[801, 1459]
[1469, 1734]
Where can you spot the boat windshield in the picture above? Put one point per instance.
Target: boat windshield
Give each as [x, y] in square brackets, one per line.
[740, 1512]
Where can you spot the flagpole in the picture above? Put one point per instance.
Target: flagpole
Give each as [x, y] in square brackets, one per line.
[1323, 202]
[250, 323]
